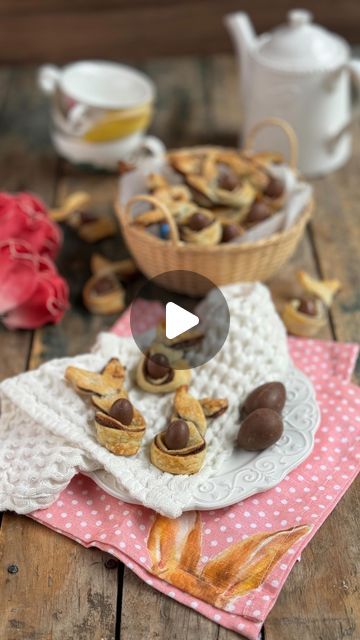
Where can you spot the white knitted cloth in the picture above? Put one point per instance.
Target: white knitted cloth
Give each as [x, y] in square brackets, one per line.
[47, 430]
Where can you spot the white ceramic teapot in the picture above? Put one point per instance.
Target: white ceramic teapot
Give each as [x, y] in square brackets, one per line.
[299, 72]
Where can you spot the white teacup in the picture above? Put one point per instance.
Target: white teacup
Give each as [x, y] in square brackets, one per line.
[100, 112]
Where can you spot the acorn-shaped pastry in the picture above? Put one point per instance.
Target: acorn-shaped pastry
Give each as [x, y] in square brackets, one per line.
[157, 372]
[216, 190]
[181, 448]
[304, 317]
[201, 227]
[120, 427]
[103, 293]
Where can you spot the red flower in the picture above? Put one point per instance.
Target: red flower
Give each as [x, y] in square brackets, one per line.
[31, 291]
[24, 216]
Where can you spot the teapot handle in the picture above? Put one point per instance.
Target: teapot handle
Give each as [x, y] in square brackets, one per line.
[353, 67]
[286, 128]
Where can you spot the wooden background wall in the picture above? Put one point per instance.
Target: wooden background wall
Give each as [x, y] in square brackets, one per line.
[61, 30]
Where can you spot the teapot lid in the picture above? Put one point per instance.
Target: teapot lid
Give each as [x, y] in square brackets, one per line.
[300, 45]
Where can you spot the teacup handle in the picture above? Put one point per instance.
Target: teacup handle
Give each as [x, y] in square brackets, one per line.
[152, 146]
[48, 78]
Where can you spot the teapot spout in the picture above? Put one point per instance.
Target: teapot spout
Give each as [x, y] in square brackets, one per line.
[244, 38]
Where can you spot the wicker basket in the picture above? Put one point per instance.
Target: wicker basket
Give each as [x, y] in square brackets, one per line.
[221, 264]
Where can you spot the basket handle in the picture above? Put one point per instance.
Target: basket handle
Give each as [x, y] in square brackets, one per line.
[286, 128]
[174, 234]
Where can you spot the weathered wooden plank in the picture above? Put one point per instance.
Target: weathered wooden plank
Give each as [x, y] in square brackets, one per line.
[14, 349]
[27, 160]
[181, 114]
[60, 590]
[58, 32]
[159, 617]
[225, 104]
[336, 238]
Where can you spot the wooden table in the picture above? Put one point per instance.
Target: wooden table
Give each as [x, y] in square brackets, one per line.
[61, 590]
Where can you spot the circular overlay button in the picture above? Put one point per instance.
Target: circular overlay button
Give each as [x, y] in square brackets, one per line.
[190, 331]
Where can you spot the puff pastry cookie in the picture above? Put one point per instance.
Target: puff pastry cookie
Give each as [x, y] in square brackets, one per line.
[120, 427]
[156, 372]
[90, 227]
[109, 381]
[201, 227]
[181, 447]
[104, 293]
[176, 198]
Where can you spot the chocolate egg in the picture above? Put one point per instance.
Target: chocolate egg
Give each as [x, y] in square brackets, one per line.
[122, 410]
[157, 366]
[261, 429]
[199, 221]
[271, 395]
[229, 232]
[307, 306]
[176, 435]
[258, 212]
[274, 188]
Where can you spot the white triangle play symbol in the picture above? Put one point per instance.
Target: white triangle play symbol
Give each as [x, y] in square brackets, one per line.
[178, 320]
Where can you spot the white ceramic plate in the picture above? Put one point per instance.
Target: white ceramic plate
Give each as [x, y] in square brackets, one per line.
[247, 473]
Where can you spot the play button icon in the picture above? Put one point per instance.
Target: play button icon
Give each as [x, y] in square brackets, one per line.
[178, 320]
[189, 331]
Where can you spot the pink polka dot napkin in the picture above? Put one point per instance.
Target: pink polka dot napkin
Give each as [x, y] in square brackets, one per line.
[230, 564]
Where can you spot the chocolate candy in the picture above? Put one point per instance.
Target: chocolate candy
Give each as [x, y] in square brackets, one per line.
[307, 306]
[157, 366]
[176, 435]
[258, 212]
[228, 180]
[104, 285]
[261, 429]
[122, 410]
[274, 188]
[271, 395]
[164, 231]
[199, 221]
[230, 231]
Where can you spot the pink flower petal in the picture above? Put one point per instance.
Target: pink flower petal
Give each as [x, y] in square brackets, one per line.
[48, 302]
[23, 216]
[18, 274]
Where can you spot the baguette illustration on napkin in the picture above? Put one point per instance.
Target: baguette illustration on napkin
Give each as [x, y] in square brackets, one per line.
[175, 550]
